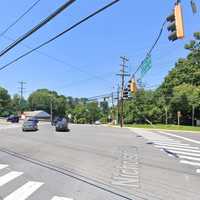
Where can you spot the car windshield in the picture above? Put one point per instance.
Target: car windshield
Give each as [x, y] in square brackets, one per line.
[29, 122]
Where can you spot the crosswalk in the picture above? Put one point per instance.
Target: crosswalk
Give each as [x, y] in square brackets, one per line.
[187, 154]
[24, 191]
[9, 126]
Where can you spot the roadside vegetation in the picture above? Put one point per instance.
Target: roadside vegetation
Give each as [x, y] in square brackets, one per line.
[165, 127]
[179, 92]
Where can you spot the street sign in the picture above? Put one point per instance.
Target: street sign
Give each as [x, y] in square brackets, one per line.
[146, 65]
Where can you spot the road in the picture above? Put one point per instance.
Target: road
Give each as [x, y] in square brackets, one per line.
[98, 162]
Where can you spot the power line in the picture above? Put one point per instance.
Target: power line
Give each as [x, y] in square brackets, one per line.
[37, 27]
[152, 48]
[83, 81]
[60, 34]
[58, 60]
[19, 18]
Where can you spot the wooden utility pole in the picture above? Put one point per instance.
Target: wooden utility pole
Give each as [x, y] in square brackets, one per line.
[122, 74]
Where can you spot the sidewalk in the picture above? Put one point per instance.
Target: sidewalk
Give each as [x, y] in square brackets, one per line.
[154, 129]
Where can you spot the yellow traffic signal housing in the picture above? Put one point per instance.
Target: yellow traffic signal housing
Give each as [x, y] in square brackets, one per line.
[179, 21]
[176, 25]
[133, 86]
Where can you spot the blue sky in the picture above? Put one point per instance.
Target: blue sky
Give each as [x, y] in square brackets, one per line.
[88, 57]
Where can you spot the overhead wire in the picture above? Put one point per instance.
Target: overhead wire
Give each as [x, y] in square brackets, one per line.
[37, 27]
[152, 47]
[60, 34]
[19, 18]
[64, 63]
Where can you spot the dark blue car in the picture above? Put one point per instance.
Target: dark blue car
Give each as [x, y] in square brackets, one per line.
[13, 119]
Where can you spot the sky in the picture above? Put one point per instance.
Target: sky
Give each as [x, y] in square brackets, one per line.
[85, 61]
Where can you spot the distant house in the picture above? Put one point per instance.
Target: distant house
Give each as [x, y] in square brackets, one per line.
[39, 114]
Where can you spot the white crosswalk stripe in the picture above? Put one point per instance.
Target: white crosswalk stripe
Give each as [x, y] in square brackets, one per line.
[177, 148]
[189, 158]
[60, 198]
[9, 177]
[174, 145]
[190, 163]
[3, 166]
[186, 153]
[25, 191]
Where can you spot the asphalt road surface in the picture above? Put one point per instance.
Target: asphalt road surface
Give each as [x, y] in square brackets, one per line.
[97, 163]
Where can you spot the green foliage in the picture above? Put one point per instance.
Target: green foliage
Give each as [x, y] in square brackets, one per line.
[180, 91]
[5, 102]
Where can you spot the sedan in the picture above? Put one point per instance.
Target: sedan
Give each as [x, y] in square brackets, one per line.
[29, 126]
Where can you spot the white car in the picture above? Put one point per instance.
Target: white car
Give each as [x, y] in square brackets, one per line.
[97, 123]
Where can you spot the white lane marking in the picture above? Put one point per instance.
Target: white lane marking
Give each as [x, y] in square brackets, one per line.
[3, 166]
[189, 158]
[198, 171]
[189, 163]
[177, 148]
[61, 198]
[185, 153]
[181, 137]
[25, 191]
[174, 145]
[9, 177]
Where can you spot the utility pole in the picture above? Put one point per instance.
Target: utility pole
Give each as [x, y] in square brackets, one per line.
[193, 114]
[113, 109]
[117, 116]
[51, 111]
[166, 115]
[122, 74]
[22, 83]
[21, 88]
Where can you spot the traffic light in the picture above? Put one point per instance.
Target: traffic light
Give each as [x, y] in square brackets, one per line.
[133, 86]
[129, 85]
[176, 25]
[125, 93]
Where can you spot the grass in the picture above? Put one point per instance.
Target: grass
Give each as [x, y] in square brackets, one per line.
[165, 127]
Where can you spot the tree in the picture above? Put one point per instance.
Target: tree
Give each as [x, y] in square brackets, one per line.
[43, 99]
[5, 102]
[80, 113]
[185, 98]
[93, 112]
